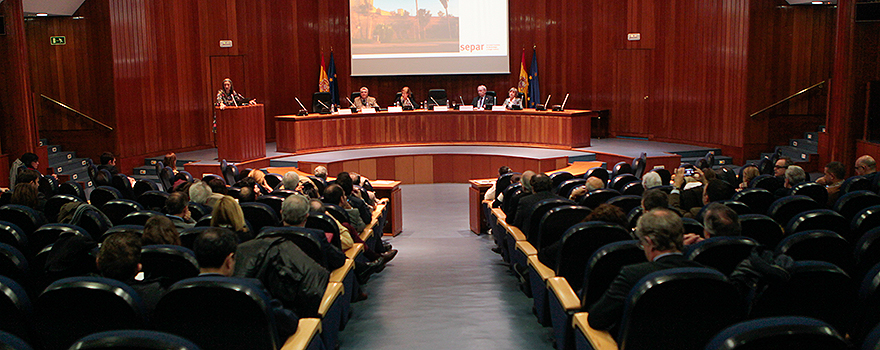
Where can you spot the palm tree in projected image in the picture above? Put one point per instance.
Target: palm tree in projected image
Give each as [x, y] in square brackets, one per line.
[419, 28]
[445, 4]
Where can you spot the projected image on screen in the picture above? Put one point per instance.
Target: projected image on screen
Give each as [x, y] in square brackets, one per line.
[412, 37]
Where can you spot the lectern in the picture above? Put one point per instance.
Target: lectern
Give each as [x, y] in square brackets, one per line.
[241, 133]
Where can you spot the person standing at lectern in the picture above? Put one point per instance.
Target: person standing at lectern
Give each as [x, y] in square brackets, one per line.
[405, 99]
[513, 101]
[365, 100]
[228, 97]
[483, 101]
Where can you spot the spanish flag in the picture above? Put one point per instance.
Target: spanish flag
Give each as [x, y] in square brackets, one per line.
[523, 85]
[323, 82]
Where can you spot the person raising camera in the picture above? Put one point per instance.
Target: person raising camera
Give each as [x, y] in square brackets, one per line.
[690, 181]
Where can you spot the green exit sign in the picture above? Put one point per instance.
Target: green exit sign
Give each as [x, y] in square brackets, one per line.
[58, 40]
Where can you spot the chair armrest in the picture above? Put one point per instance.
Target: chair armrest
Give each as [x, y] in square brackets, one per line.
[566, 296]
[526, 248]
[543, 271]
[511, 230]
[600, 340]
[333, 291]
[499, 214]
[306, 330]
[355, 250]
[339, 274]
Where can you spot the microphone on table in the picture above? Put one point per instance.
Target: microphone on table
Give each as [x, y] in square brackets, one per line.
[543, 107]
[349, 101]
[302, 111]
[560, 108]
[435, 101]
[462, 100]
[325, 107]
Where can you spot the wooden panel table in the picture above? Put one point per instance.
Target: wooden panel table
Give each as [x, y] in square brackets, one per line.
[241, 133]
[316, 133]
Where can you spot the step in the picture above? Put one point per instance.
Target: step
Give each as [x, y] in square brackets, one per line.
[812, 136]
[52, 149]
[77, 175]
[698, 153]
[73, 165]
[804, 144]
[180, 162]
[61, 157]
[145, 170]
[152, 178]
[283, 163]
[796, 154]
[587, 157]
[719, 160]
[821, 128]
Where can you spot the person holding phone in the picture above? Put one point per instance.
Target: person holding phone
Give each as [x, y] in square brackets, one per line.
[709, 190]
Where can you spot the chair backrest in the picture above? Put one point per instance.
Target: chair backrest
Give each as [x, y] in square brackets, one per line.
[634, 188]
[632, 218]
[49, 233]
[272, 201]
[728, 175]
[762, 229]
[228, 172]
[260, 215]
[190, 309]
[117, 209]
[758, 199]
[721, 253]
[73, 188]
[437, 94]
[140, 217]
[74, 307]
[558, 178]
[123, 184]
[868, 307]
[699, 302]
[205, 221]
[564, 189]
[169, 262]
[511, 199]
[819, 219]
[598, 172]
[625, 202]
[91, 220]
[855, 183]
[767, 182]
[136, 229]
[323, 97]
[852, 203]
[15, 306]
[325, 223]
[813, 190]
[305, 238]
[692, 226]
[739, 207]
[532, 222]
[578, 244]
[638, 165]
[867, 251]
[273, 180]
[26, 218]
[555, 222]
[10, 341]
[779, 333]
[54, 204]
[198, 210]
[819, 245]
[337, 212]
[596, 197]
[621, 180]
[13, 264]
[13, 235]
[282, 193]
[503, 181]
[153, 200]
[47, 185]
[621, 168]
[103, 194]
[141, 186]
[815, 289]
[604, 265]
[188, 236]
[130, 339]
[786, 208]
[864, 221]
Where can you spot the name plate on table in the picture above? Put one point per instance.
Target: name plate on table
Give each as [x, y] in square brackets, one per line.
[368, 111]
[395, 109]
[466, 108]
[345, 111]
[498, 109]
[440, 108]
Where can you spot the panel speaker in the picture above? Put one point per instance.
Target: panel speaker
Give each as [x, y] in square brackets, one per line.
[2, 25]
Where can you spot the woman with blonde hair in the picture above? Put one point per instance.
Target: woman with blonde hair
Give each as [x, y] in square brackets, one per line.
[228, 214]
[748, 174]
[260, 178]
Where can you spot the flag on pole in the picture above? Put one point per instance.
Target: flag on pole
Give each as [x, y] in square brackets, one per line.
[534, 89]
[334, 85]
[323, 82]
[523, 85]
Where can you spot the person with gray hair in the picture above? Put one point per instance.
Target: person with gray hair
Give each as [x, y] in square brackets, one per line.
[290, 180]
[199, 192]
[660, 232]
[651, 180]
[792, 177]
[295, 210]
[321, 172]
[718, 220]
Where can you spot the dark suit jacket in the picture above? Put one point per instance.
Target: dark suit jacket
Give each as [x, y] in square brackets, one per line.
[607, 312]
[524, 208]
[286, 321]
[490, 101]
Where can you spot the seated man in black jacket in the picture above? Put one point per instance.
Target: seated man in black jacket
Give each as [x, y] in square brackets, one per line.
[541, 185]
[120, 259]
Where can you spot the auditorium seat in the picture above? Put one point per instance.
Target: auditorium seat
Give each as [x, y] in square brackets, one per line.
[234, 192]
[198, 210]
[633, 188]
[802, 333]
[73, 188]
[141, 186]
[639, 164]
[153, 200]
[556, 222]
[679, 308]
[819, 219]
[325, 223]
[54, 204]
[102, 195]
[74, 307]
[762, 229]
[169, 262]
[767, 182]
[558, 178]
[621, 168]
[188, 236]
[272, 201]
[758, 199]
[338, 213]
[229, 171]
[12, 235]
[852, 203]
[123, 184]
[692, 226]
[598, 172]
[218, 313]
[93, 221]
[566, 187]
[815, 289]
[532, 223]
[813, 190]
[140, 217]
[867, 252]
[511, 201]
[48, 186]
[282, 193]
[136, 229]
[619, 181]
[439, 95]
[15, 308]
[872, 341]
[273, 180]
[133, 340]
[632, 218]
[596, 197]
[864, 221]
[819, 245]
[117, 209]
[166, 177]
[24, 217]
[786, 208]
[324, 97]
[205, 221]
[867, 314]
[855, 183]
[739, 207]
[10, 341]
[259, 215]
[306, 241]
[49, 233]
[626, 202]
[721, 253]
[602, 267]
[728, 175]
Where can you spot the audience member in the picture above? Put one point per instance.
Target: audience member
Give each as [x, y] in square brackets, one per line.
[321, 172]
[26, 194]
[654, 198]
[199, 192]
[108, 162]
[749, 173]
[713, 190]
[295, 213]
[290, 181]
[354, 197]
[781, 164]
[835, 174]
[215, 253]
[490, 194]
[541, 185]
[218, 185]
[170, 160]
[261, 186]
[334, 196]
[71, 256]
[160, 230]
[228, 214]
[593, 183]
[651, 180]
[247, 195]
[510, 205]
[26, 161]
[608, 213]
[120, 259]
[660, 233]
[866, 166]
[718, 220]
[794, 175]
[176, 207]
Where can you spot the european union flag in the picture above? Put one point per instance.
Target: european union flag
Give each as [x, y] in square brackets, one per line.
[334, 86]
[534, 90]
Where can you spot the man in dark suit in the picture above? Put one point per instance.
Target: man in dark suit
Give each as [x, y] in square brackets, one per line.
[483, 101]
[660, 233]
[541, 185]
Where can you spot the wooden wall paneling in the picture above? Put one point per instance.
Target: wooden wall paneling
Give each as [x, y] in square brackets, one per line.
[840, 125]
[385, 168]
[444, 169]
[19, 134]
[423, 169]
[403, 170]
[367, 168]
